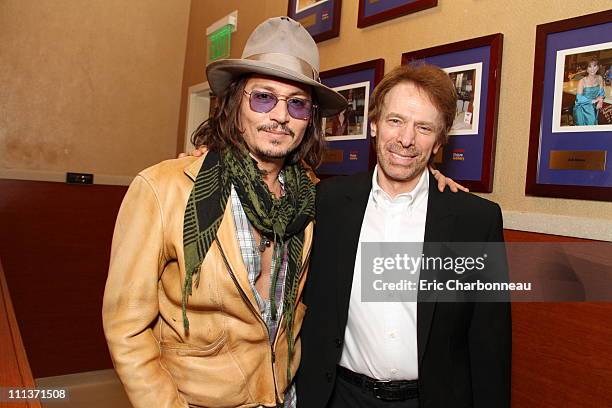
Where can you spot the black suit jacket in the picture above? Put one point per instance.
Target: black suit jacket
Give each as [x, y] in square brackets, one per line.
[463, 348]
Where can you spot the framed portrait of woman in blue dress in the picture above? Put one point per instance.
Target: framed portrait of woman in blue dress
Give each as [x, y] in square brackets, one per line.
[571, 113]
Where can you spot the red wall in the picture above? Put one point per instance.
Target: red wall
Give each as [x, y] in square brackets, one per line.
[55, 247]
[561, 352]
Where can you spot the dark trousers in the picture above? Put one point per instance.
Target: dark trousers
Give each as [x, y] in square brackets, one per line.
[347, 395]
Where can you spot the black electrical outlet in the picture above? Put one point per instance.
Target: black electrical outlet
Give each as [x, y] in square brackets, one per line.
[79, 178]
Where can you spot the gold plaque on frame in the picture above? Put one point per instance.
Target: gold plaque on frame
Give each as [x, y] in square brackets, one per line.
[577, 160]
[308, 20]
[333, 156]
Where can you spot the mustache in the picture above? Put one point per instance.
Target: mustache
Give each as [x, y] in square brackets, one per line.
[399, 149]
[276, 127]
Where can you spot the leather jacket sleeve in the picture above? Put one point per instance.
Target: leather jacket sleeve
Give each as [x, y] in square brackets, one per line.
[131, 299]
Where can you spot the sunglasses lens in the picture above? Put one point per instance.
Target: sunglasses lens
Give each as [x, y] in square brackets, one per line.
[263, 102]
[299, 108]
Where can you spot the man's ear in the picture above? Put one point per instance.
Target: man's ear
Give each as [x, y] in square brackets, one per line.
[436, 147]
[373, 129]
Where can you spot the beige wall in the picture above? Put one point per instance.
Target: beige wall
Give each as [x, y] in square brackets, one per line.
[96, 86]
[203, 14]
[451, 21]
[89, 86]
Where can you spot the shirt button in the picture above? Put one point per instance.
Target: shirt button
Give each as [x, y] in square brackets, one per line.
[392, 335]
[394, 371]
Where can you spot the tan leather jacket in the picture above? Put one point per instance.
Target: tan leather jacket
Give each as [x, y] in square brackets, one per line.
[226, 360]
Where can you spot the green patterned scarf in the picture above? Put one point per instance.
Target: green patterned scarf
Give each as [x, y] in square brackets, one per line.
[281, 220]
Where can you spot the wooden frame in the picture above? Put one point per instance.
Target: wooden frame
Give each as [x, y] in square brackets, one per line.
[321, 18]
[397, 8]
[557, 177]
[469, 156]
[348, 155]
[16, 372]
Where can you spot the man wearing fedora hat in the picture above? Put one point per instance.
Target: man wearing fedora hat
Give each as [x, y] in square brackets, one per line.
[202, 305]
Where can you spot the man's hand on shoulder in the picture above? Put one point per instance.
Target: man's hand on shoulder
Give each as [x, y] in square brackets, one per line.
[444, 181]
[195, 153]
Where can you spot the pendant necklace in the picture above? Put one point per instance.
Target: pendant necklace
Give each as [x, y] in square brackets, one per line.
[263, 244]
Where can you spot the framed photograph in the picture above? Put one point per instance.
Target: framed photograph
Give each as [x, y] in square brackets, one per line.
[571, 109]
[349, 148]
[580, 78]
[467, 79]
[376, 11]
[474, 66]
[320, 17]
[351, 123]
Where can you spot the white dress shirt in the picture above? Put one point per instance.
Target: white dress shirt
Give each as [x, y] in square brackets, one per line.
[381, 337]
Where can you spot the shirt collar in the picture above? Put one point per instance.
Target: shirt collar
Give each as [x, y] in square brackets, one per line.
[281, 180]
[381, 197]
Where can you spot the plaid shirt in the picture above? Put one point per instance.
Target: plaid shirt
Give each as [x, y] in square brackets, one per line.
[252, 260]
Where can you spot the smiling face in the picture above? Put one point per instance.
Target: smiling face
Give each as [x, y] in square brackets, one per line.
[406, 137]
[593, 67]
[271, 136]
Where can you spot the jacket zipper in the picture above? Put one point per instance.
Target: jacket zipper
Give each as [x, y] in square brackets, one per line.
[248, 301]
[257, 313]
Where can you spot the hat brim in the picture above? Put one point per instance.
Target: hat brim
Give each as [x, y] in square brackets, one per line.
[221, 73]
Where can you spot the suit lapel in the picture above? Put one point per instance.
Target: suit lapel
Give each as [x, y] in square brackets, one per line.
[353, 206]
[438, 228]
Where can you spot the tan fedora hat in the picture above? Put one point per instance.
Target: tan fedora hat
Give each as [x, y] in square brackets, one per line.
[278, 47]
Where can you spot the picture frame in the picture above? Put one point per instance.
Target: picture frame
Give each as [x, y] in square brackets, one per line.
[348, 136]
[320, 17]
[570, 138]
[474, 65]
[375, 11]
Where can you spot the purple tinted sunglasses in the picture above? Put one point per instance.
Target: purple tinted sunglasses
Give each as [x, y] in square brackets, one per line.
[264, 102]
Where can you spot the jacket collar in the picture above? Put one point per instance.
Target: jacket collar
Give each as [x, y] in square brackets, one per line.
[193, 168]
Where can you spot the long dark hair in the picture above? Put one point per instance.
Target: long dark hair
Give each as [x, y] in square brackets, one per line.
[222, 129]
